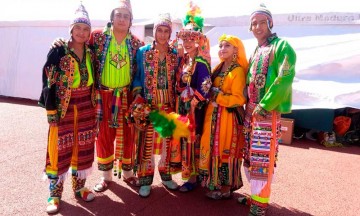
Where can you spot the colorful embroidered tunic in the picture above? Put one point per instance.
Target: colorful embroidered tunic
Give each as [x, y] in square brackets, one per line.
[115, 66]
[116, 72]
[196, 88]
[271, 72]
[222, 138]
[68, 96]
[155, 82]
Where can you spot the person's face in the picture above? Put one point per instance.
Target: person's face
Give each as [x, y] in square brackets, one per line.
[81, 33]
[162, 34]
[226, 50]
[121, 19]
[259, 27]
[189, 46]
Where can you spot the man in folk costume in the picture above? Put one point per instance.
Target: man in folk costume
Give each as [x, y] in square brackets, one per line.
[68, 95]
[154, 87]
[269, 82]
[115, 48]
[193, 85]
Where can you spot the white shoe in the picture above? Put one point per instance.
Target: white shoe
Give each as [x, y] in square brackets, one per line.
[53, 205]
[101, 186]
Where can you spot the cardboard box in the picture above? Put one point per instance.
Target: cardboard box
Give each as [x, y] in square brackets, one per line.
[287, 130]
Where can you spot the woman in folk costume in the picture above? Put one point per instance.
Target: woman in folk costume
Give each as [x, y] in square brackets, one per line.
[193, 85]
[68, 96]
[269, 81]
[154, 88]
[115, 48]
[222, 140]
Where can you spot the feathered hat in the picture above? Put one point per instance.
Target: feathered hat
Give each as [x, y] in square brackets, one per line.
[192, 30]
[193, 23]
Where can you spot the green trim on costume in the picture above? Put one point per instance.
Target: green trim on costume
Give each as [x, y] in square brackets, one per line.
[204, 61]
[260, 199]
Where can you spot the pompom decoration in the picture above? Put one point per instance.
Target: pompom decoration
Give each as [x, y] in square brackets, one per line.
[170, 124]
[193, 17]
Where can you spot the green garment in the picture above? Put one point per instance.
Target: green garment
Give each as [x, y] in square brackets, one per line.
[116, 71]
[279, 77]
[77, 76]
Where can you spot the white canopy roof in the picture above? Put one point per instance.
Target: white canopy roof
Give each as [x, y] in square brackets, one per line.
[327, 46]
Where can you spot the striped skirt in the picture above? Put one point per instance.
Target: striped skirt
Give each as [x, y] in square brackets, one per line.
[71, 142]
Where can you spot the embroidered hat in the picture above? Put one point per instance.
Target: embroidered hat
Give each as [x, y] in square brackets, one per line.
[80, 16]
[123, 4]
[163, 20]
[262, 9]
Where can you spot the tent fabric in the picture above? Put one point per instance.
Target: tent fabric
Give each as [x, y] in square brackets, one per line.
[24, 47]
[328, 54]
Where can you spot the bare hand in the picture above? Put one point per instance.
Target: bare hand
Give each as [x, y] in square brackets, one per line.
[58, 42]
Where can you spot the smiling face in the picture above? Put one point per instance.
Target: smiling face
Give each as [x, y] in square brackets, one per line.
[259, 27]
[189, 46]
[226, 51]
[121, 19]
[162, 34]
[80, 33]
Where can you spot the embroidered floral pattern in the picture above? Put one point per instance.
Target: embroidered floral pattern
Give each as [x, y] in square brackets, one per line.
[206, 85]
[61, 92]
[99, 38]
[148, 82]
[65, 63]
[149, 57]
[260, 80]
[135, 44]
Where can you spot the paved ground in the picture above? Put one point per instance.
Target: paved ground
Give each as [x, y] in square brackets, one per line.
[311, 179]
